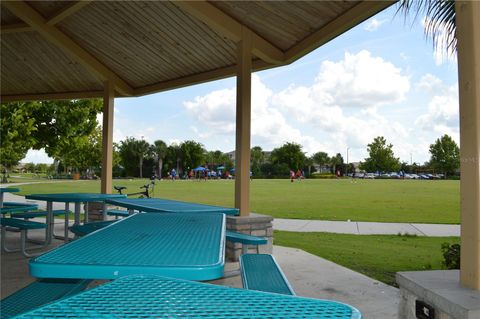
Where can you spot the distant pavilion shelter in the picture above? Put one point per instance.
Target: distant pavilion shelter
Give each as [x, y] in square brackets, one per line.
[90, 49]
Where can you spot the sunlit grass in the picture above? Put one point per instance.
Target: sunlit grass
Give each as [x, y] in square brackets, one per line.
[363, 200]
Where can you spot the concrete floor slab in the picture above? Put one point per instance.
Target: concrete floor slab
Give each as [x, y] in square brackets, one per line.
[315, 277]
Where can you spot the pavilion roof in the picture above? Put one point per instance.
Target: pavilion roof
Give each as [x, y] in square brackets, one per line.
[64, 49]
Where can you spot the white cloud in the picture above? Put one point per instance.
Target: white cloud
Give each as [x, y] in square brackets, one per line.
[361, 80]
[373, 24]
[37, 156]
[443, 112]
[314, 116]
[430, 83]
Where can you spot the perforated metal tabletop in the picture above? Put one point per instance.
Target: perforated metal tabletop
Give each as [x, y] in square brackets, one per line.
[188, 246]
[157, 297]
[167, 205]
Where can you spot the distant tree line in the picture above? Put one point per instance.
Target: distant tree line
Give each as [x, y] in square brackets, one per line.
[70, 134]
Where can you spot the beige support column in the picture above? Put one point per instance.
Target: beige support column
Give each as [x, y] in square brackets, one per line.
[468, 36]
[107, 154]
[242, 148]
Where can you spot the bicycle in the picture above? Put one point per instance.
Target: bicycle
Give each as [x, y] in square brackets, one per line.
[144, 194]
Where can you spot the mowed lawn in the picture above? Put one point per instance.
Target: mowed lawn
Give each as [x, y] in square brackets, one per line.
[413, 201]
[376, 256]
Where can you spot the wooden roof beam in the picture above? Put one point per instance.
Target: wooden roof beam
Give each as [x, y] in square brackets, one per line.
[341, 24]
[231, 28]
[16, 28]
[213, 75]
[58, 38]
[52, 96]
[69, 9]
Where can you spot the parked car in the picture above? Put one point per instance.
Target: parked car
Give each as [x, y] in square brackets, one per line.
[369, 176]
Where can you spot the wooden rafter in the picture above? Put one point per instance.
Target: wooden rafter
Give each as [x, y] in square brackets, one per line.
[67, 11]
[16, 28]
[217, 74]
[23, 11]
[231, 28]
[52, 96]
[344, 22]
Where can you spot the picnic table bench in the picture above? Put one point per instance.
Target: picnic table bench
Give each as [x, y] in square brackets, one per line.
[261, 272]
[23, 226]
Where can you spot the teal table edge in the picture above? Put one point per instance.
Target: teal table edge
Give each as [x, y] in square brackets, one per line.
[129, 204]
[9, 190]
[147, 296]
[14, 207]
[201, 273]
[73, 197]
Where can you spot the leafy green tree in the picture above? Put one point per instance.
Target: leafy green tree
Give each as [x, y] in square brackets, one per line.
[321, 158]
[159, 150]
[85, 153]
[132, 153]
[174, 157]
[381, 157]
[337, 163]
[289, 154]
[59, 124]
[16, 133]
[192, 154]
[309, 163]
[257, 158]
[218, 158]
[445, 155]
[29, 167]
[41, 168]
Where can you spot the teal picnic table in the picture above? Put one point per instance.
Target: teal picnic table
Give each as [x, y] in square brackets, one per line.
[178, 245]
[4, 190]
[67, 198]
[152, 205]
[159, 297]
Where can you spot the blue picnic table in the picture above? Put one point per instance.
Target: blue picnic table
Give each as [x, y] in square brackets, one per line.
[159, 297]
[67, 198]
[152, 205]
[188, 246]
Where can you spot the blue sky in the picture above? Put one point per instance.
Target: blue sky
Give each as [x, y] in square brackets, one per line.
[381, 78]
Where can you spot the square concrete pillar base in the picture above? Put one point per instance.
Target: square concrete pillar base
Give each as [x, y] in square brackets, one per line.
[256, 225]
[439, 289]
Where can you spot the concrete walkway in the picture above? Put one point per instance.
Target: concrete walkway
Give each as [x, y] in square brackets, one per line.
[366, 228]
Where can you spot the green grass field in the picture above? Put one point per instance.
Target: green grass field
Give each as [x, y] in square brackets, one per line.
[416, 201]
[376, 256]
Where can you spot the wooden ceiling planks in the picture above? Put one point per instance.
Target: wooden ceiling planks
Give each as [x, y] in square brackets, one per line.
[49, 9]
[148, 41]
[29, 60]
[284, 23]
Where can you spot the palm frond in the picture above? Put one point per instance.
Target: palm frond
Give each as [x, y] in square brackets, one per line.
[440, 22]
